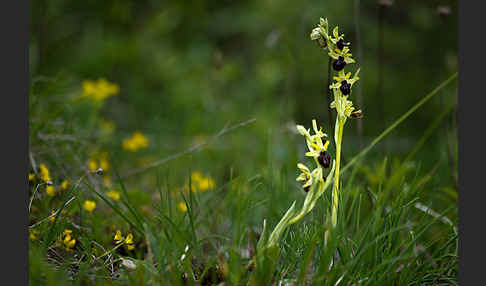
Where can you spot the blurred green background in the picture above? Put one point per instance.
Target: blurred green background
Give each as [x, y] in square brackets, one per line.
[187, 68]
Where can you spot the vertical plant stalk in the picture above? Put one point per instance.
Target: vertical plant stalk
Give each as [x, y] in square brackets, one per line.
[329, 99]
[335, 192]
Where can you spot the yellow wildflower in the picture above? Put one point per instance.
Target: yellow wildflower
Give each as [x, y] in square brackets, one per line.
[70, 244]
[196, 176]
[89, 205]
[31, 177]
[33, 233]
[118, 237]
[99, 161]
[67, 240]
[129, 239]
[53, 217]
[50, 191]
[113, 195]
[104, 164]
[44, 173]
[206, 184]
[100, 89]
[182, 207]
[200, 182]
[129, 242]
[135, 142]
[93, 165]
[65, 185]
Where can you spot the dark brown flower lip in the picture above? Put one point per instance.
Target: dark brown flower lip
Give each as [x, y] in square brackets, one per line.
[339, 64]
[324, 159]
[345, 87]
[341, 44]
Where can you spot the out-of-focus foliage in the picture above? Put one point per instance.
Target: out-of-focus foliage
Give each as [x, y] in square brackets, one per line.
[184, 66]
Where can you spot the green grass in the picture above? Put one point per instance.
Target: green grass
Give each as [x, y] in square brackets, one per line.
[382, 236]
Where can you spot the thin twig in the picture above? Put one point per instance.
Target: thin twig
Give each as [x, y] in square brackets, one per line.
[33, 195]
[52, 215]
[435, 214]
[59, 137]
[399, 120]
[32, 162]
[192, 149]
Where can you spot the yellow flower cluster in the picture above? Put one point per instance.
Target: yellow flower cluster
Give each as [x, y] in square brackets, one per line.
[50, 191]
[100, 161]
[89, 205]
[33, 233]
[182, 207]
[113, 195]
[135, 142]
[65, 185]
[44, 173]
[68, 241]
[46, 177]
[52, 217]
[201, 183]
[128, 240]
[100, 89]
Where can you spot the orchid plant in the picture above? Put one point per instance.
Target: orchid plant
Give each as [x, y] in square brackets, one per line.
[314, 181]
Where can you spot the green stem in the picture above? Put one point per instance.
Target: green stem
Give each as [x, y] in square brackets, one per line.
[335, 192]
[329, 99]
